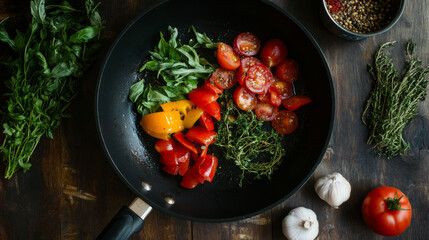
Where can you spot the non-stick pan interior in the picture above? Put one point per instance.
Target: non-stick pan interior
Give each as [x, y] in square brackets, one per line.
[131, 151]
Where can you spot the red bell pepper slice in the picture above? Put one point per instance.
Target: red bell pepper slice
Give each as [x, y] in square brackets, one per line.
[295, 102]
[208, 166]
[204, 152]
[180, 137]
[213, 109]
[164, 145]
[182, 154]
[211, 86]
[173, 170]
[169, 158]
[189, 181]
[207, 121]
[201, 135]
[183, 167]
[202, 97]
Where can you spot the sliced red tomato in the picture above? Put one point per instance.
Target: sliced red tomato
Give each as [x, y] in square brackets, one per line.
[266, 111]
[223, 79]
[285, 122]
[183, 167]
[208, 167]
[227, 57]
[213, 109]
[201, 135]
[180, 137]
[206, 121]
[202, 97]
[246, 62]
[210, 85]
[247, 44]
[259, 79]
[275, 98]
[273, 52]
[189, 181]
[244, 99]
[287, 70]
[265, 98]
[284, 89]
[171, 169]
[296, 102]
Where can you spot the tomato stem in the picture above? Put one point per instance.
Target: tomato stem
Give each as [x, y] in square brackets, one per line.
[393, 203]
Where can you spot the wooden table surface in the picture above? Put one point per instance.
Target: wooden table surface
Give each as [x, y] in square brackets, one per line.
[71, 191]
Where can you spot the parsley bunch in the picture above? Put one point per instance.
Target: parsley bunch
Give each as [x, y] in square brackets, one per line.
[51, 56]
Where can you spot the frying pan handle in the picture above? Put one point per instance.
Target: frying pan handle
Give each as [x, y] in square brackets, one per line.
[126, 222]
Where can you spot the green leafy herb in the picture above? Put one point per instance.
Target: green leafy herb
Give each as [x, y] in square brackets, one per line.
[179, 66]
[393, 101]
[51, 55]
[245, 141]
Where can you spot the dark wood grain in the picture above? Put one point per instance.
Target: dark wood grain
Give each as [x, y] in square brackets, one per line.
[71, 191]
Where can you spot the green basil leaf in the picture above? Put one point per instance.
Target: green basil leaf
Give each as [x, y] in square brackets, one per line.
[85, 34]
[38, 10]
[136, 90]
[61, 70]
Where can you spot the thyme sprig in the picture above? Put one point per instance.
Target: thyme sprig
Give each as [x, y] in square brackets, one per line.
[253, 149]
[394, 100]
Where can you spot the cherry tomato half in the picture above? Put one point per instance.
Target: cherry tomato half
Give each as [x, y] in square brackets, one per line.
[211, 86]
[387, 211]
[273, 52]
[287, 70]
[259, 79]
[266, 111]
[244, 99]
[296, 102]
[247, 44]
[227, 57]
[246, 62]
[223, 78]
[285, 122]
[284, 89]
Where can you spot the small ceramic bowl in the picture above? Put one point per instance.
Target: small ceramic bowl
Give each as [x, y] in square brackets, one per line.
[338, 30]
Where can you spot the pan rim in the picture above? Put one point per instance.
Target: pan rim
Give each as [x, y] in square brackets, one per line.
[213, 220]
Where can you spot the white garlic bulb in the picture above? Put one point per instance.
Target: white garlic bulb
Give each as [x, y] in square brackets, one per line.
[333, 189]
[300, 224]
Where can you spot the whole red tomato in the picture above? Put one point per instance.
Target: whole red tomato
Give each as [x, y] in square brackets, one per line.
[387, 211]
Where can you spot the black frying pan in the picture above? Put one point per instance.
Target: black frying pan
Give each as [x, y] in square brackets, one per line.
[131, 152]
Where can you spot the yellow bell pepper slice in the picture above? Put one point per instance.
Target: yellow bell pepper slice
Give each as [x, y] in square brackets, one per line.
[192, 117]
[162, 122]
[183, 106]
[164, 136]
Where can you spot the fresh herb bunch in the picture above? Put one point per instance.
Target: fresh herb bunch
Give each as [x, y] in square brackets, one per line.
[51, 55]
[393, 101]
[180, 68]
[245, 141]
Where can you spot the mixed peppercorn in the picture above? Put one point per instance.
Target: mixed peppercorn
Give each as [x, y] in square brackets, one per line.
[361, 16]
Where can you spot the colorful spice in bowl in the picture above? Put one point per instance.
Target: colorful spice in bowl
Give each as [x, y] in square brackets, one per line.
[361, 16]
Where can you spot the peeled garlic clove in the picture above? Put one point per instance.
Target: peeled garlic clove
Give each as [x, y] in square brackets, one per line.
[333, 189]
[300, 224]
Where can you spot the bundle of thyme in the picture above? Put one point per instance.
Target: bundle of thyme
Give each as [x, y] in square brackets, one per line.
[393, 102]
[253, 149]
